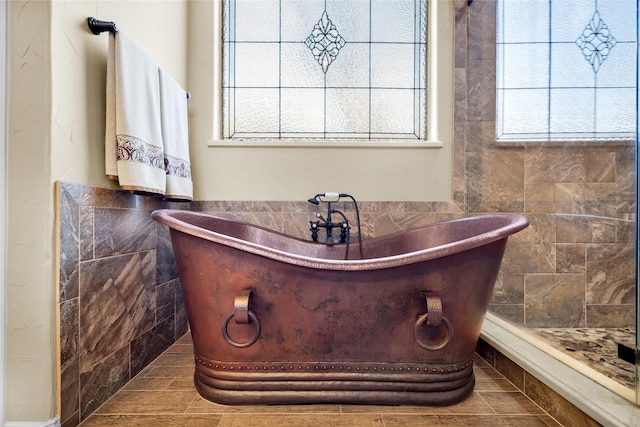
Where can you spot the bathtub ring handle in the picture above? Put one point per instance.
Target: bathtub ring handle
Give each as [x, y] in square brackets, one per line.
[225, 333]
[423, 319]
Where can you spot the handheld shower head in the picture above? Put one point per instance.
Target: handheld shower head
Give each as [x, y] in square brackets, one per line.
[330, 195]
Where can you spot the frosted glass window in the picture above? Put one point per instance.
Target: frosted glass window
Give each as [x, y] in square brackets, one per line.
[324, 69]
[566, 69]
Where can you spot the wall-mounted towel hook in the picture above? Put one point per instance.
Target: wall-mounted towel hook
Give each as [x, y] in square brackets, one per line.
[96, 26]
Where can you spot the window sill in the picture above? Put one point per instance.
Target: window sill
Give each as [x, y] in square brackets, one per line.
[569, 143]
[325, 144]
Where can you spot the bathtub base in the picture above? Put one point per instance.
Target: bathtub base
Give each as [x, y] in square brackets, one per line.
[233, 383]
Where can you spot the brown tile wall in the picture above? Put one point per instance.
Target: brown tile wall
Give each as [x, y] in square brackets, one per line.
[120, 301]
[574, 266]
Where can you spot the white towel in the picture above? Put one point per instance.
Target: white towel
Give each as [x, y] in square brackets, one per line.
[175, 136]
[133, 147]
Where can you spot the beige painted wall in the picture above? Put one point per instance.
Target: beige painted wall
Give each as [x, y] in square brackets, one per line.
[30, 296]
[57, 71]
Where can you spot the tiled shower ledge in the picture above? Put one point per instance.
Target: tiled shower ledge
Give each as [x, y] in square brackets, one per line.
[595, 400]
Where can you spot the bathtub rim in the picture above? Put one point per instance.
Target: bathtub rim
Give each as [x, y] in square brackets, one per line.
[513, 224]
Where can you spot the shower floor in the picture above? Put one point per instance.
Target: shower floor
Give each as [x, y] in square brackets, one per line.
[596, 348]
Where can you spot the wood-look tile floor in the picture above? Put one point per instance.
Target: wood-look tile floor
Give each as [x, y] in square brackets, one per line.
[164, 395]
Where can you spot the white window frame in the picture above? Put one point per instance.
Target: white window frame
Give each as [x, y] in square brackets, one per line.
[439, 90]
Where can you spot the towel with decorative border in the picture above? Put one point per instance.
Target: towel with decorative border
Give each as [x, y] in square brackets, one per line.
[135, 151]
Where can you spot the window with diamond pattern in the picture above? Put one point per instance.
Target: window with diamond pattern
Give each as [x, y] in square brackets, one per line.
[324, 70]
[566, 69]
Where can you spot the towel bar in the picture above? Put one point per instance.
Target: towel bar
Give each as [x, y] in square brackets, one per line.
[97, 27]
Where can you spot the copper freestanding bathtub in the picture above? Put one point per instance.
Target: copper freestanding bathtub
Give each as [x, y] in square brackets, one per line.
[280, 320]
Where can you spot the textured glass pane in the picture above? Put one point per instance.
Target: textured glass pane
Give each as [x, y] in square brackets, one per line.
[249, 54]
[297, 17]
[614, 108]
[252, 116]
[351, 73]
[524, 111]
[348, 111]
[392, 65]
[621, 23]
[392, 111]
[421, 66]
[228, 73]
[303, 110]
[500, 67]
[569, 18]
[569, 68]
[393, 20]
[526, 66]
[523, 21]
[343, 13]
[226, 21]
[257, 20]
[620, 68]
[298, 67]
[572, 111]
[227, 131]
